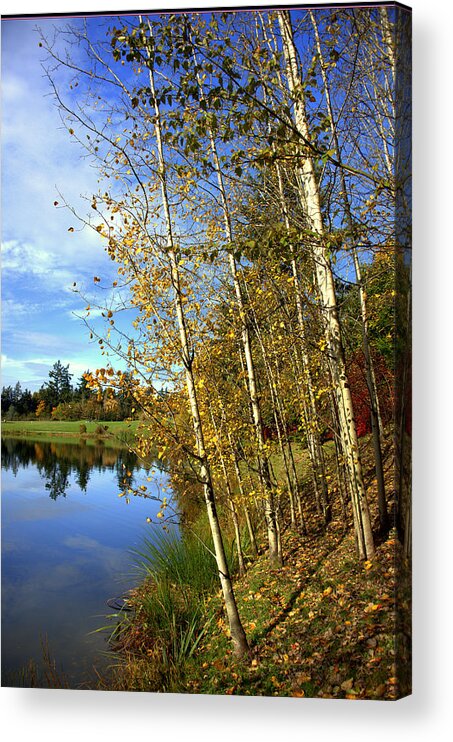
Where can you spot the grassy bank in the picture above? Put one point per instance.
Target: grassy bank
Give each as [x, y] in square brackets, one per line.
[171, 613]
[69, 430]
[324, 625]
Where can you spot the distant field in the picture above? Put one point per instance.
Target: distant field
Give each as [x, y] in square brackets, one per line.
[65, 429]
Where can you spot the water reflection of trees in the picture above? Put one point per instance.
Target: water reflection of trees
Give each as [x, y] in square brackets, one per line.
[58, 462]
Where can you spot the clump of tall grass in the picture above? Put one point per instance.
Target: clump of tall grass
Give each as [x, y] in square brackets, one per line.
[177, 572]
[186, 560]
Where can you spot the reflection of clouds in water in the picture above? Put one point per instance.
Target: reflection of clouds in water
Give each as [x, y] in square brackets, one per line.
[64, 558]
[81, 542]
[109, 559]
[18, 488]
[58, 584]
[43, 508]
[61, 602]
[60, 577]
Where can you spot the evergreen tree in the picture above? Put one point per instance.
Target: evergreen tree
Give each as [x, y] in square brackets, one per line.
[59, 387]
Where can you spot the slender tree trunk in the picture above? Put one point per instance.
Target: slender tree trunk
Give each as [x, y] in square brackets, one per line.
[230, 499]
[274, 556]
[278, 420]
[339, 458]
[237, 532]
[376, 421]
[236, 629]
[287, 444]
[250, 528]
[305, 426]
[317, 456]
[389, 39]
[237, 470]
[314, 446]
[310, 197]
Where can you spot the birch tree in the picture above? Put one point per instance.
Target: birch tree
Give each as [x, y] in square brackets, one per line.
[376, 423]
[151, 178]
[310, 198]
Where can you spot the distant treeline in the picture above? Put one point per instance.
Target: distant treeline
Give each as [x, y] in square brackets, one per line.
[59, 399]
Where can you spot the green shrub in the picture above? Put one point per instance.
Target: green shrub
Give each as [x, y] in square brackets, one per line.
[82, 428]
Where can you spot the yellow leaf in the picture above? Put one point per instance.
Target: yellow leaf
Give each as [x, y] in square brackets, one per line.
[372, 607]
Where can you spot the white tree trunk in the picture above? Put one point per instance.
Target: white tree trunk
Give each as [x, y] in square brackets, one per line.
[314, 444]
[310, 198]
[236, 629]
[270, 514]
[376, 422]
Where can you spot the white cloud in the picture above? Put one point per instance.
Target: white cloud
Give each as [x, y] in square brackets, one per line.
[39, 159]
[24, 258]
[12, 310]
[40, 258]
[33, 372]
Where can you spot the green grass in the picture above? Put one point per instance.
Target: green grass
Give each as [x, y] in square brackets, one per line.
[170, 617]
[172, 612]
[65, 426]
[185, 561]
[64, 430]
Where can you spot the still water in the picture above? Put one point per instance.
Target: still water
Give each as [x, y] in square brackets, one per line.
[66, 549]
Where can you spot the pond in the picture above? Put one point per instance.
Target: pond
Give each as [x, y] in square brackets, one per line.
[66, 550]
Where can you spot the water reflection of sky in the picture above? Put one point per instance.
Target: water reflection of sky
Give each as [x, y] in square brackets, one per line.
[62, 559]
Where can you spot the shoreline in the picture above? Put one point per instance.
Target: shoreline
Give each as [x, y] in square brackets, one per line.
[118, 433]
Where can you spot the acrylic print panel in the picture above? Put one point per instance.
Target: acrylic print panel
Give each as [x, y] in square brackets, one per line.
[206, 426]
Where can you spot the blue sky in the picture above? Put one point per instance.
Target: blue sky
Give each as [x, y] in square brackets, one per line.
[40, 258]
